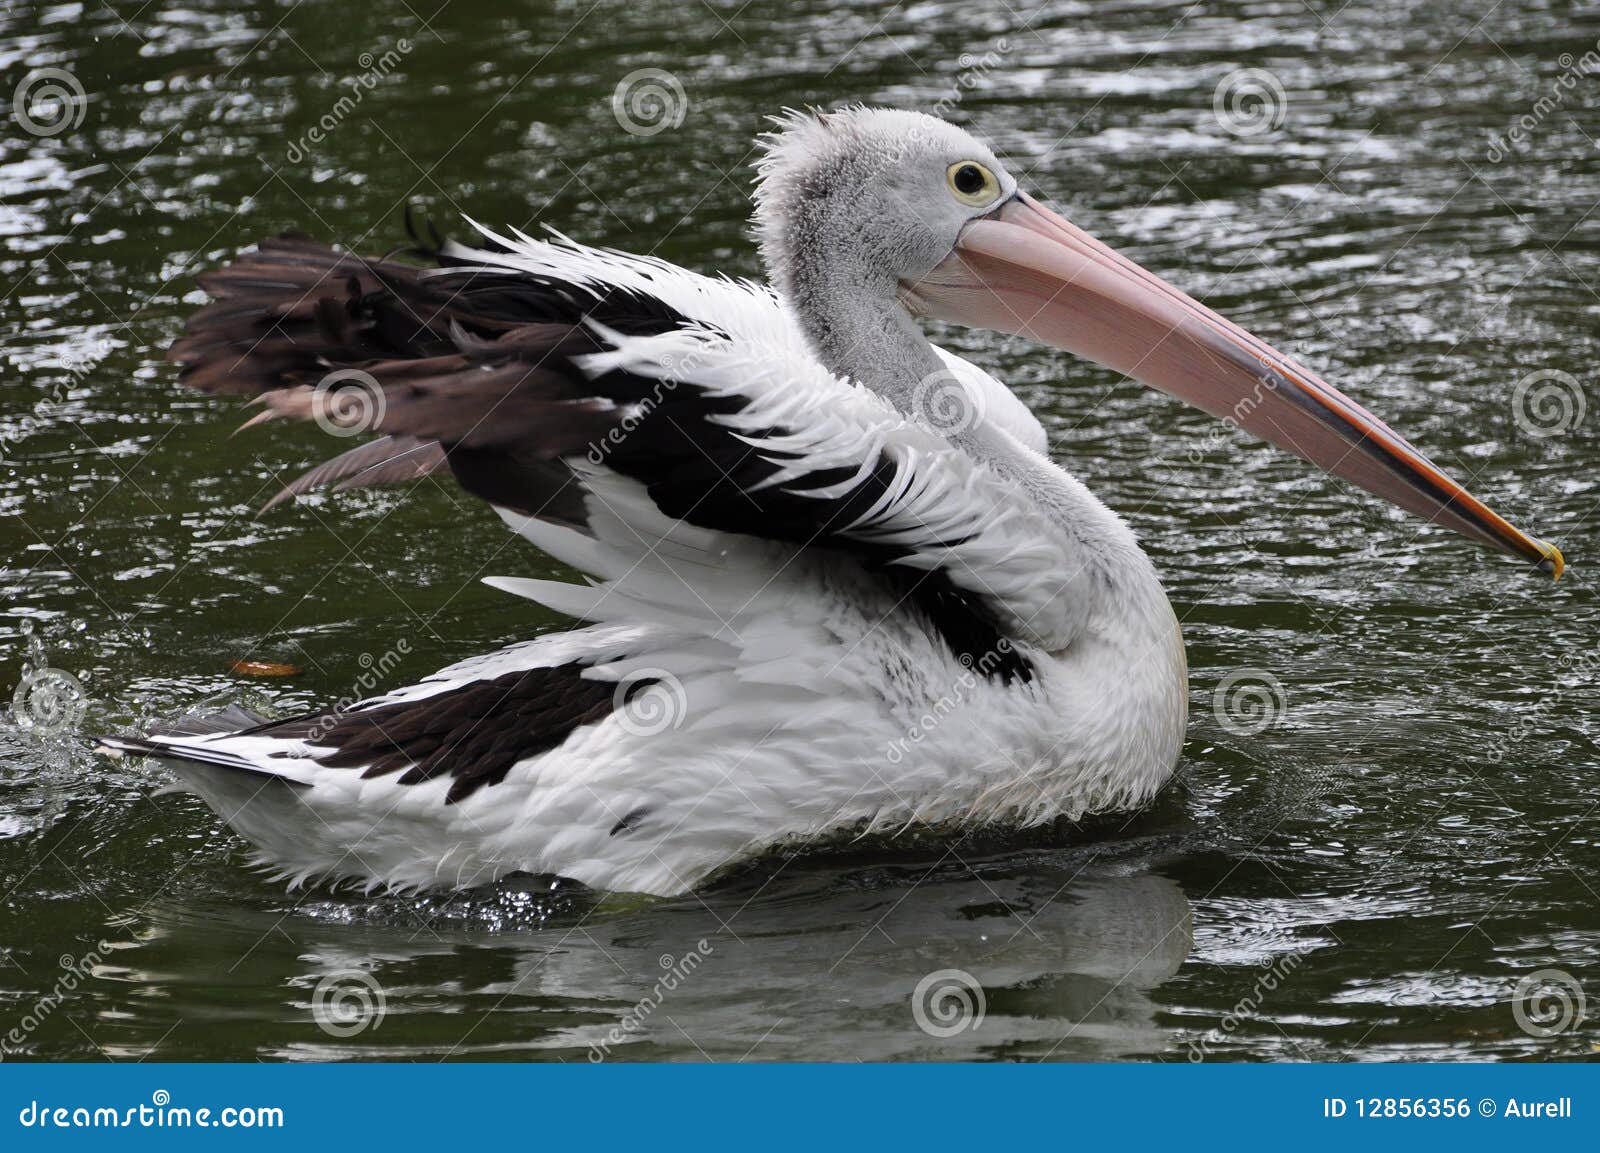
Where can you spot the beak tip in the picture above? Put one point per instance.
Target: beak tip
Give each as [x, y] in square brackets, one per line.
[1553, 564]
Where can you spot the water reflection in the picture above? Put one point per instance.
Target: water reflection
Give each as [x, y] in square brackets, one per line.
[825, 965]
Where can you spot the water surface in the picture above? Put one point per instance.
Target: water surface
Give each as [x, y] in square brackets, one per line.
[1368, 876]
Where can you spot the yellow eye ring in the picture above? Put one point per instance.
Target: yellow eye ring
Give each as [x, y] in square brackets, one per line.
[972, 183]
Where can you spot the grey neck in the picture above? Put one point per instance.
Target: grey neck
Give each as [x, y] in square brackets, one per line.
[858, 328]
[853, 318]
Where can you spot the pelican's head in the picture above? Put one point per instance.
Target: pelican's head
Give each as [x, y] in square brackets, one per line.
[885, 192]
[900, 206]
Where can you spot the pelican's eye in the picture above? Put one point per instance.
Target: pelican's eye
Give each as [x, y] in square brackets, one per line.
[972, 183]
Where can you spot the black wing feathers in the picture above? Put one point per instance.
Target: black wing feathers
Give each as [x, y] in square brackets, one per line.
[477, 369]
[473, 734]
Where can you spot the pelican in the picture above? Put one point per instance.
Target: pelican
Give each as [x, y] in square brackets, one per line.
[833, 583]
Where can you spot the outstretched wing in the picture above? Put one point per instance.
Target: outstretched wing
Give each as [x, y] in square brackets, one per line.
[558, 399]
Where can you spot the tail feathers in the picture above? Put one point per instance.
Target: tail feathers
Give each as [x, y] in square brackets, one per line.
[300, 834]
[190, 752]
[229, 719]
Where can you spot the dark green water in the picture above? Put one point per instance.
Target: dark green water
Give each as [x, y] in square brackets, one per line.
[1370, 876]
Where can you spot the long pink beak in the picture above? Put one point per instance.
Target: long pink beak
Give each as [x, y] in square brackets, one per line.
[1024, 269]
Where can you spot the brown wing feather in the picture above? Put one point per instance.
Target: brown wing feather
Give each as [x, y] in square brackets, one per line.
[476, 365]
[388, 460]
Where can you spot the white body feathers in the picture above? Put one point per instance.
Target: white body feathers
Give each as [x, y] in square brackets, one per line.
[790, 696]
